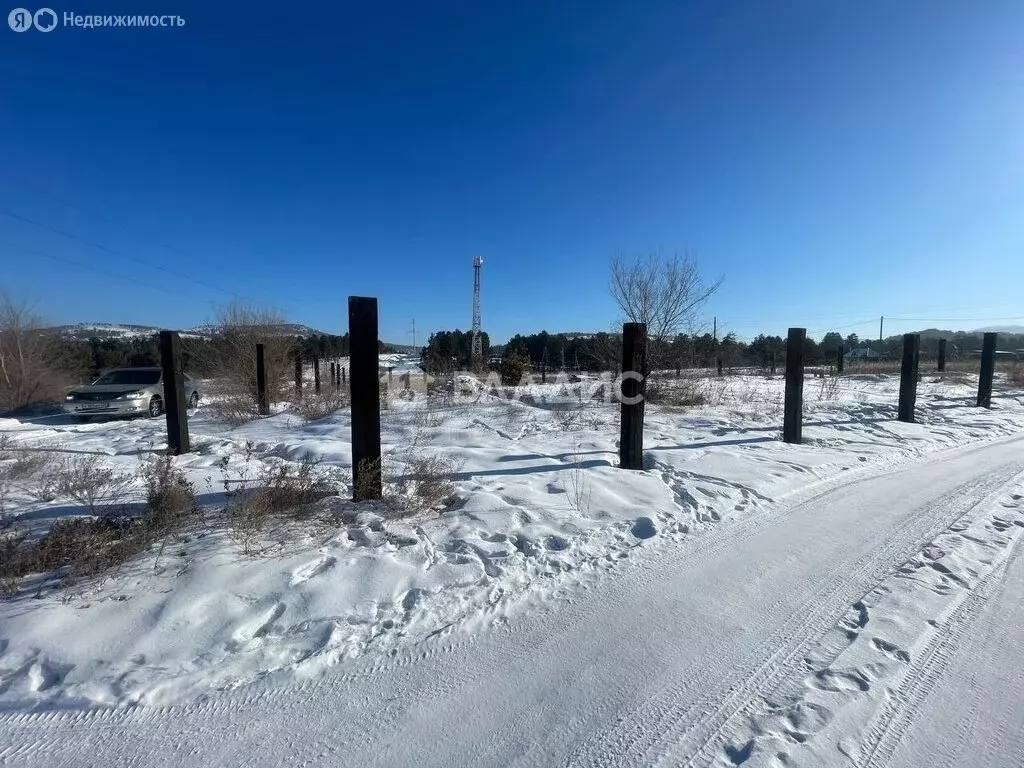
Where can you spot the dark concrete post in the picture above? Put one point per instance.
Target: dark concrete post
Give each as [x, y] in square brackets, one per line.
[792, 425]
[840, 359]
[773, 362]
[908, 376]
[298, 372]
[942, 354]
[543, 372]
[316, 374]
[365, 389]
[631, 418]
[174, 394]
[262, 401]
[988, 369]
[334, 381]
[718, 363]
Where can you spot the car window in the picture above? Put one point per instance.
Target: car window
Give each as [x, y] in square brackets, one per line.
[141, 378]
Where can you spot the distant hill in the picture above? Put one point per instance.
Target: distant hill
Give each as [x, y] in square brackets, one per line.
[124, 332]
[1013, 329]
[1006, 330]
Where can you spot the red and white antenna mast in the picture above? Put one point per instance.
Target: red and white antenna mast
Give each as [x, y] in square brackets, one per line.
[478, 344]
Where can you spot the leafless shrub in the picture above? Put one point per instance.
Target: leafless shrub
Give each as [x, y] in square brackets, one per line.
[568, 419]
[312, 406]
[230, 358]
[233, 409]
[26, 468]
[262, 508]
[170, 497]
[29, 359]
[85, 479]
[428, 483]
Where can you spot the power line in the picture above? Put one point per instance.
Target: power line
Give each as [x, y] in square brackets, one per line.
[114, 251]
[91, 267]
[116, 225]
[952, 319]
[19, 181]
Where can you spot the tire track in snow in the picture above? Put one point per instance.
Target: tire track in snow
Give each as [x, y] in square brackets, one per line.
[891, 723]
[664, 727]
[867, 574]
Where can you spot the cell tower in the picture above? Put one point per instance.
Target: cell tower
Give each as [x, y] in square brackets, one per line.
[478, 346]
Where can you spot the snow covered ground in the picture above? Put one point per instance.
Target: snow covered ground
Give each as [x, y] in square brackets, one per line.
[741, 601]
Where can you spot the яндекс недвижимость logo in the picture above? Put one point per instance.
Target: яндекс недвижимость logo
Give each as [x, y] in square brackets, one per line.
[22, 19]
[46, 20]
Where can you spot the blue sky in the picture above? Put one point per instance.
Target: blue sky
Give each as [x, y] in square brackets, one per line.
[833, 161]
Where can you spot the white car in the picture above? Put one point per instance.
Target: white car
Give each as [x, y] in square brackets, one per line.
[125, 392]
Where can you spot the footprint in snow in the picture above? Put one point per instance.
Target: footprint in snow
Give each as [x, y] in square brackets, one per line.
[311, 570]
[890, 649]
[259, 624]
[643, 528]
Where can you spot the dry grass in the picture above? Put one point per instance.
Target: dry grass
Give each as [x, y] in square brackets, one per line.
[678, 393]
[828, 387]
[579, 490]
[368, 481]
[1015, 376]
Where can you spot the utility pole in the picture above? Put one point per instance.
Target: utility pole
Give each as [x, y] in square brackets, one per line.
[714, 327]
[413, 332]
[881, 320]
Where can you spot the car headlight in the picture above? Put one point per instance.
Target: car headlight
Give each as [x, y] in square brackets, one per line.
[132, 395]
[70, 397]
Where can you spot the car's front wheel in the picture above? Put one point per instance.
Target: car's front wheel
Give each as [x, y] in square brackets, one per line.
[156, 407]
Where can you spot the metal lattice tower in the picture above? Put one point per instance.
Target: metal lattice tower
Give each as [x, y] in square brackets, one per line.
[478, 345]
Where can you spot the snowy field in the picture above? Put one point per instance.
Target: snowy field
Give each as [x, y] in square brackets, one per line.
[542, 523]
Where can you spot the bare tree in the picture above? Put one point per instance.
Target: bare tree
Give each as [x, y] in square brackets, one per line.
[230, 358]
[663, 292]
[29, 372]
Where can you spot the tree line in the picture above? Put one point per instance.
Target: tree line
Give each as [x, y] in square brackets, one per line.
[85, 359]
[600, 351]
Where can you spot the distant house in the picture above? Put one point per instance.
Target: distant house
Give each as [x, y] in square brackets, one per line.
[863, 353]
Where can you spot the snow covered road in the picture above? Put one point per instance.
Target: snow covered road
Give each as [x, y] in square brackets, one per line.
[963, 707]
[678, 657]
